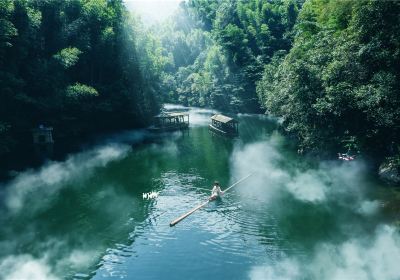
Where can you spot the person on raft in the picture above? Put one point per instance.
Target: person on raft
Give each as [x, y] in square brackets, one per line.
[216, 191]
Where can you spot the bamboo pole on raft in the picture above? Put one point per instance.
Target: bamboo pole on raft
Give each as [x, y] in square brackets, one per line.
[174, 222]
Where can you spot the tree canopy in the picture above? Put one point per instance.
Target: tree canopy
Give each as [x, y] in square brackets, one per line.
[340, 81]
[329, 69]
[81, 66]
[218, 49]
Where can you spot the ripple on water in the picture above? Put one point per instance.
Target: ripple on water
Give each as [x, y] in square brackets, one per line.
[223, 232]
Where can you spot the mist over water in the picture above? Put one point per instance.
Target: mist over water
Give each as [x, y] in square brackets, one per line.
[34, 194]
[372, 257]
[31, 185]
[292, 219]
[275, 175]
[341, 191]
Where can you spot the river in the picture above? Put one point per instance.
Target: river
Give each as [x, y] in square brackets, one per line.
[294, 218]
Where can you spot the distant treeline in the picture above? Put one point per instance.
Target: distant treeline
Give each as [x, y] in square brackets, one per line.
[76, 65]
[330, 69]
[217, 50]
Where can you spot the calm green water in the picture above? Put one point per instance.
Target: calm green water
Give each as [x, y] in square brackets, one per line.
[85, 218]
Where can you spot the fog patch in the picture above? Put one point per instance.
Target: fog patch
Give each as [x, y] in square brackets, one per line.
[168, 145]
[286, 269]
[171, 107]
[46, 182]
[78, 259]
[346, 178]
[65, 259]
[47, 266]
[259, 116]
[368, 207]
[200, 116]
[67, 253]
[25, 267]
[359, 258]
[273, 176]
[307, 187]
[259, 159]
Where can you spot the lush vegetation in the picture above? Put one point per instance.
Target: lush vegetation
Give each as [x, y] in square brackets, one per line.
[81, 66]
[339, 85]
[330, 69]
[217, 50]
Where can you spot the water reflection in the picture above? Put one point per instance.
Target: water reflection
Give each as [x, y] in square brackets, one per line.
[86, 217]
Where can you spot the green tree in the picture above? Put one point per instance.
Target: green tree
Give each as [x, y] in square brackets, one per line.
[79, 65]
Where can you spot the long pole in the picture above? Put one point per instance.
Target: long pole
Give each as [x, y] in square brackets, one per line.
[174, 222]
[238, 182]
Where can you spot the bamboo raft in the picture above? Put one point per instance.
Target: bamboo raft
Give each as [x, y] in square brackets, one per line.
[174, 222]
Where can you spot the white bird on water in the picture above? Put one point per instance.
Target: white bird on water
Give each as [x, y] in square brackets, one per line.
[150, 195]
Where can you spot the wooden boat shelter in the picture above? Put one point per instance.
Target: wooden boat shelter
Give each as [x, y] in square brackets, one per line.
[224, 125]
[170, 121]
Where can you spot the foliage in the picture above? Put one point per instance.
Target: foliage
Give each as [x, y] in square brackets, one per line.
[80, 91]
[68, 57]
[329, 68]
[7, 28]
[68, 63]
[218, 50]
[340, 80]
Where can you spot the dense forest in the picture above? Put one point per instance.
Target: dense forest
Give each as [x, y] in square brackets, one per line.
[329, 69]
[219, 50]
[339, 84]
[76, 65]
